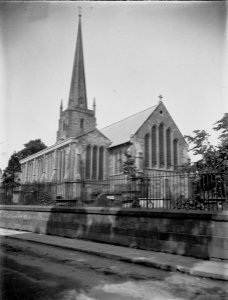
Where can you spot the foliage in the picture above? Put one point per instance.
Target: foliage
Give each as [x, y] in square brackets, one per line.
[222, 126]
[214, 158]
[10, 175]
[30, 148]
[200, 140]
[128, 166]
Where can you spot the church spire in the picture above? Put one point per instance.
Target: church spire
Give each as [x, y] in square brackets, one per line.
[77, 96]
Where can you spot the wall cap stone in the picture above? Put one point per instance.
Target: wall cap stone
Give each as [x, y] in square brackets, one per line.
[133, 212]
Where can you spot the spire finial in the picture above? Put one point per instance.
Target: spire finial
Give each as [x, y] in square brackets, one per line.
[61, 106]
[94, 105]
[79, 11]
[160, 97]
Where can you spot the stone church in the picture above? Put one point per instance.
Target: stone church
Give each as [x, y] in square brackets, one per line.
[84, 153]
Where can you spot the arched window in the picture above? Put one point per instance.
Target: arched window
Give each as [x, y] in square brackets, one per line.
[88, 162]
[146, 151]
[161, 145]
[119, 161]
[94, 172]
[154, 146]
[175, 152]
[168, 147]
[82, 123]
[115, 162]
[101, 163]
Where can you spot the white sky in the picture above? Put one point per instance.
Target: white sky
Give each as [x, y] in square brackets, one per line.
[133, 52]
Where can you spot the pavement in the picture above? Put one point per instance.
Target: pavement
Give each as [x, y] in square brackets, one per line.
[164, 261]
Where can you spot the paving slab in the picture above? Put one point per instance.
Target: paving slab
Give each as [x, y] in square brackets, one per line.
[164, 261]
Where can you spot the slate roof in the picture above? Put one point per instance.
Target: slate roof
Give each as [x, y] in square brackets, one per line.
[121, 132]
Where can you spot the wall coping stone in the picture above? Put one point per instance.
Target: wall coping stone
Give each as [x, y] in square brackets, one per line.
[134, 212]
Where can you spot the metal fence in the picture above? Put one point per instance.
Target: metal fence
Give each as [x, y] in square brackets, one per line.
[198, 191]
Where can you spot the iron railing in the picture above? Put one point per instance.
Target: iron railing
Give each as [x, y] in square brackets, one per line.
[167, 190]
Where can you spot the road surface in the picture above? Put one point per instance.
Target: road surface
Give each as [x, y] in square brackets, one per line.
[33, 272]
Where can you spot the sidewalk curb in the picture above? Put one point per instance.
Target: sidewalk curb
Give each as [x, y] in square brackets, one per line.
[141, 261]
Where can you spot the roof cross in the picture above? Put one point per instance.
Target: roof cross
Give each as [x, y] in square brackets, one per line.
[160, 97]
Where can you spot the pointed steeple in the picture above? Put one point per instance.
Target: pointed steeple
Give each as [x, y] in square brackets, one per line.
[77, 96]
[77, 119]
[61, 107]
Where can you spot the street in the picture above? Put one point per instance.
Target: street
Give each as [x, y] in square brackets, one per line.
[32, 271]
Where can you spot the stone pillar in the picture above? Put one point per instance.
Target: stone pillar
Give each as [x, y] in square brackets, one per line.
[58, 165]
[106, 164]
[62, 157]
[139, 161]
[78, 167]
[26, 172]
[37, 170]
[43, 177]
[34, 169]
[67, 162]
[73, 162]
[54, 167]
[91, 162]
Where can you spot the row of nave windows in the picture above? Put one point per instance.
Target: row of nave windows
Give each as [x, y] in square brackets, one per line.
[160, 139]
[94, 162]
[94, 165]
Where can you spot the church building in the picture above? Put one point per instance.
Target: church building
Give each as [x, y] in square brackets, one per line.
[84, 153]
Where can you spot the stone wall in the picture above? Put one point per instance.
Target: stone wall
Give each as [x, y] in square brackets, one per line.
[197, 234]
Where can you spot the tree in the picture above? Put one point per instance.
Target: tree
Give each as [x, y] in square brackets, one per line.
[31, 147]
[128, 166]
[214, 158]
[10, 174]
[200, 142]
[222, 126]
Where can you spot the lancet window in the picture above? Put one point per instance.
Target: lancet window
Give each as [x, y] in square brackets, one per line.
[101, 163]
[154, 145]
[146, 151]
[161, 145]
[168, 147]
[88, 162]
[175, 153]
[94, 170]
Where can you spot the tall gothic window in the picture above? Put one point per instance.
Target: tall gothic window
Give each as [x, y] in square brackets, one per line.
[146, 151]
[154, 146]
[82, 123]
[161, 145]
[115, 162]
[88, 162]
[168, 147]
[94, 173]
[175, 152]
[119, 161]
[101, 163]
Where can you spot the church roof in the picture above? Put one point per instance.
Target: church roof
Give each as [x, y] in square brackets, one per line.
[121, 132]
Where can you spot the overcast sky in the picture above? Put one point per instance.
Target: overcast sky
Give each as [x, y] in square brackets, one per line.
[133, 51]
